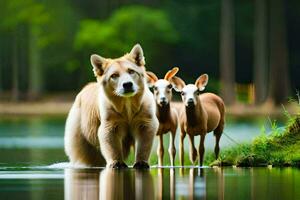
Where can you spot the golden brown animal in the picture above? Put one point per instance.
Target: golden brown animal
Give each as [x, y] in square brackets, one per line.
[167, 116]
[110, 116]
[200, 114]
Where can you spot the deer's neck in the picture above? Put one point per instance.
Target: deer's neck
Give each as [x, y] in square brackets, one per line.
[163, 113]
[194, 114]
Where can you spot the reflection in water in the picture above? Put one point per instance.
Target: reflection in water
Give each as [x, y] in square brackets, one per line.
[108, 184]
[163, 183]
[81, 184]
[186, 183]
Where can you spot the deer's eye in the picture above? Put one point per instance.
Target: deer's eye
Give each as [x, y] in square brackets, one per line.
[170, 86]
[130, 71]
[182, 93]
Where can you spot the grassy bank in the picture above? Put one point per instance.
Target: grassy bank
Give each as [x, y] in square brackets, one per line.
[277, 149]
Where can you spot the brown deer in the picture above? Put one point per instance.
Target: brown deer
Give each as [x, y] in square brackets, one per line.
[200, 114]
[167, 116]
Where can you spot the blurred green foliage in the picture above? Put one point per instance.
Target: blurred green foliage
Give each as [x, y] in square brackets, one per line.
[172, 33]
[15, 12]
[124, 28]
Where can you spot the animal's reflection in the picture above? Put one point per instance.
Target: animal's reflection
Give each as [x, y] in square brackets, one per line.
[108, 184]
[193, 183]
[161, 184]
[81, 184]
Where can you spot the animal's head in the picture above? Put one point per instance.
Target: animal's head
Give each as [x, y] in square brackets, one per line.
[162, 88]
[190, 92]
[122, 77]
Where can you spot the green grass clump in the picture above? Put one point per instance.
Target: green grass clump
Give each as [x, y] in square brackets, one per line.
[277, 149]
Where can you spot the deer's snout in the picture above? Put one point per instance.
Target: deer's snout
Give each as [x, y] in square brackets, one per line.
[163, 101]
[190, 102]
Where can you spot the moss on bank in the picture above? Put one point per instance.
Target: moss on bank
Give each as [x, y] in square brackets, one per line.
[277, 149]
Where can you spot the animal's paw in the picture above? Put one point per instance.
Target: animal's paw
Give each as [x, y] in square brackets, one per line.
[141, 165]
[118, 165]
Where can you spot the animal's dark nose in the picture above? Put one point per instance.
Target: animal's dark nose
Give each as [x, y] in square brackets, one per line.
[127, 85]
[190, 102]
[163, 100]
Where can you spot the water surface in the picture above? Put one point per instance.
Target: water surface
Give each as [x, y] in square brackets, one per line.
[32, 141]
[187, 183]
[30, 147]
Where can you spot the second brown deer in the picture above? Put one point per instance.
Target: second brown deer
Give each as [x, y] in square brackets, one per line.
[167, 116]
[199, 115]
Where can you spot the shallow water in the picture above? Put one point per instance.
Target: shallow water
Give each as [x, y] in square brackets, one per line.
[30, 146]
[177, 183]
[39, 141]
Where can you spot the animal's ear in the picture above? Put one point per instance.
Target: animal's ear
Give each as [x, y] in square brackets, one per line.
[171, 73]
[151, 78]
[177, 83]
[202, 81]
[98, 64]
[137, 55]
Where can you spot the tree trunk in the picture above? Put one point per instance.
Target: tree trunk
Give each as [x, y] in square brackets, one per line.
[35, 70]
[1, 64]
[227, 52]
[15, 67]
[279, 87]
[260, 51]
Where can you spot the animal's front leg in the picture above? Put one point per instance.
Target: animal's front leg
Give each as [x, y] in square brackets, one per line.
[172, 149]
[193, 151]
[110, 139]
[160, 150]
[201, 149]
[144, 139]
[181, 146]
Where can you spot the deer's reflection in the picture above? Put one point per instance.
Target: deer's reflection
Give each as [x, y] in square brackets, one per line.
[163, 185]
[108, 184]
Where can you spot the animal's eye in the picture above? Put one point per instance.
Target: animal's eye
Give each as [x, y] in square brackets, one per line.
[182, 93]
[170, 86]
[114, 76]
[130, 71]
[155, 88]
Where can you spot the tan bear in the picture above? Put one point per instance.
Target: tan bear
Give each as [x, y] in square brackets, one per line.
[110, 116]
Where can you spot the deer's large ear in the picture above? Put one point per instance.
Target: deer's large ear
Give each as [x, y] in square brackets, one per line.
[202, 81]
[137, 55]
[151, 78]
[98, 64]
[171, 73]
[177, 83]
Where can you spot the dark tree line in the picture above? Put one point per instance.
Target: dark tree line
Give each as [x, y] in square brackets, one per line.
[271, 75]
[45, 45]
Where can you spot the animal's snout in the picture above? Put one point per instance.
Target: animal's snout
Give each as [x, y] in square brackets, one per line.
[128, 86]
[163, 101]
[190, 102]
